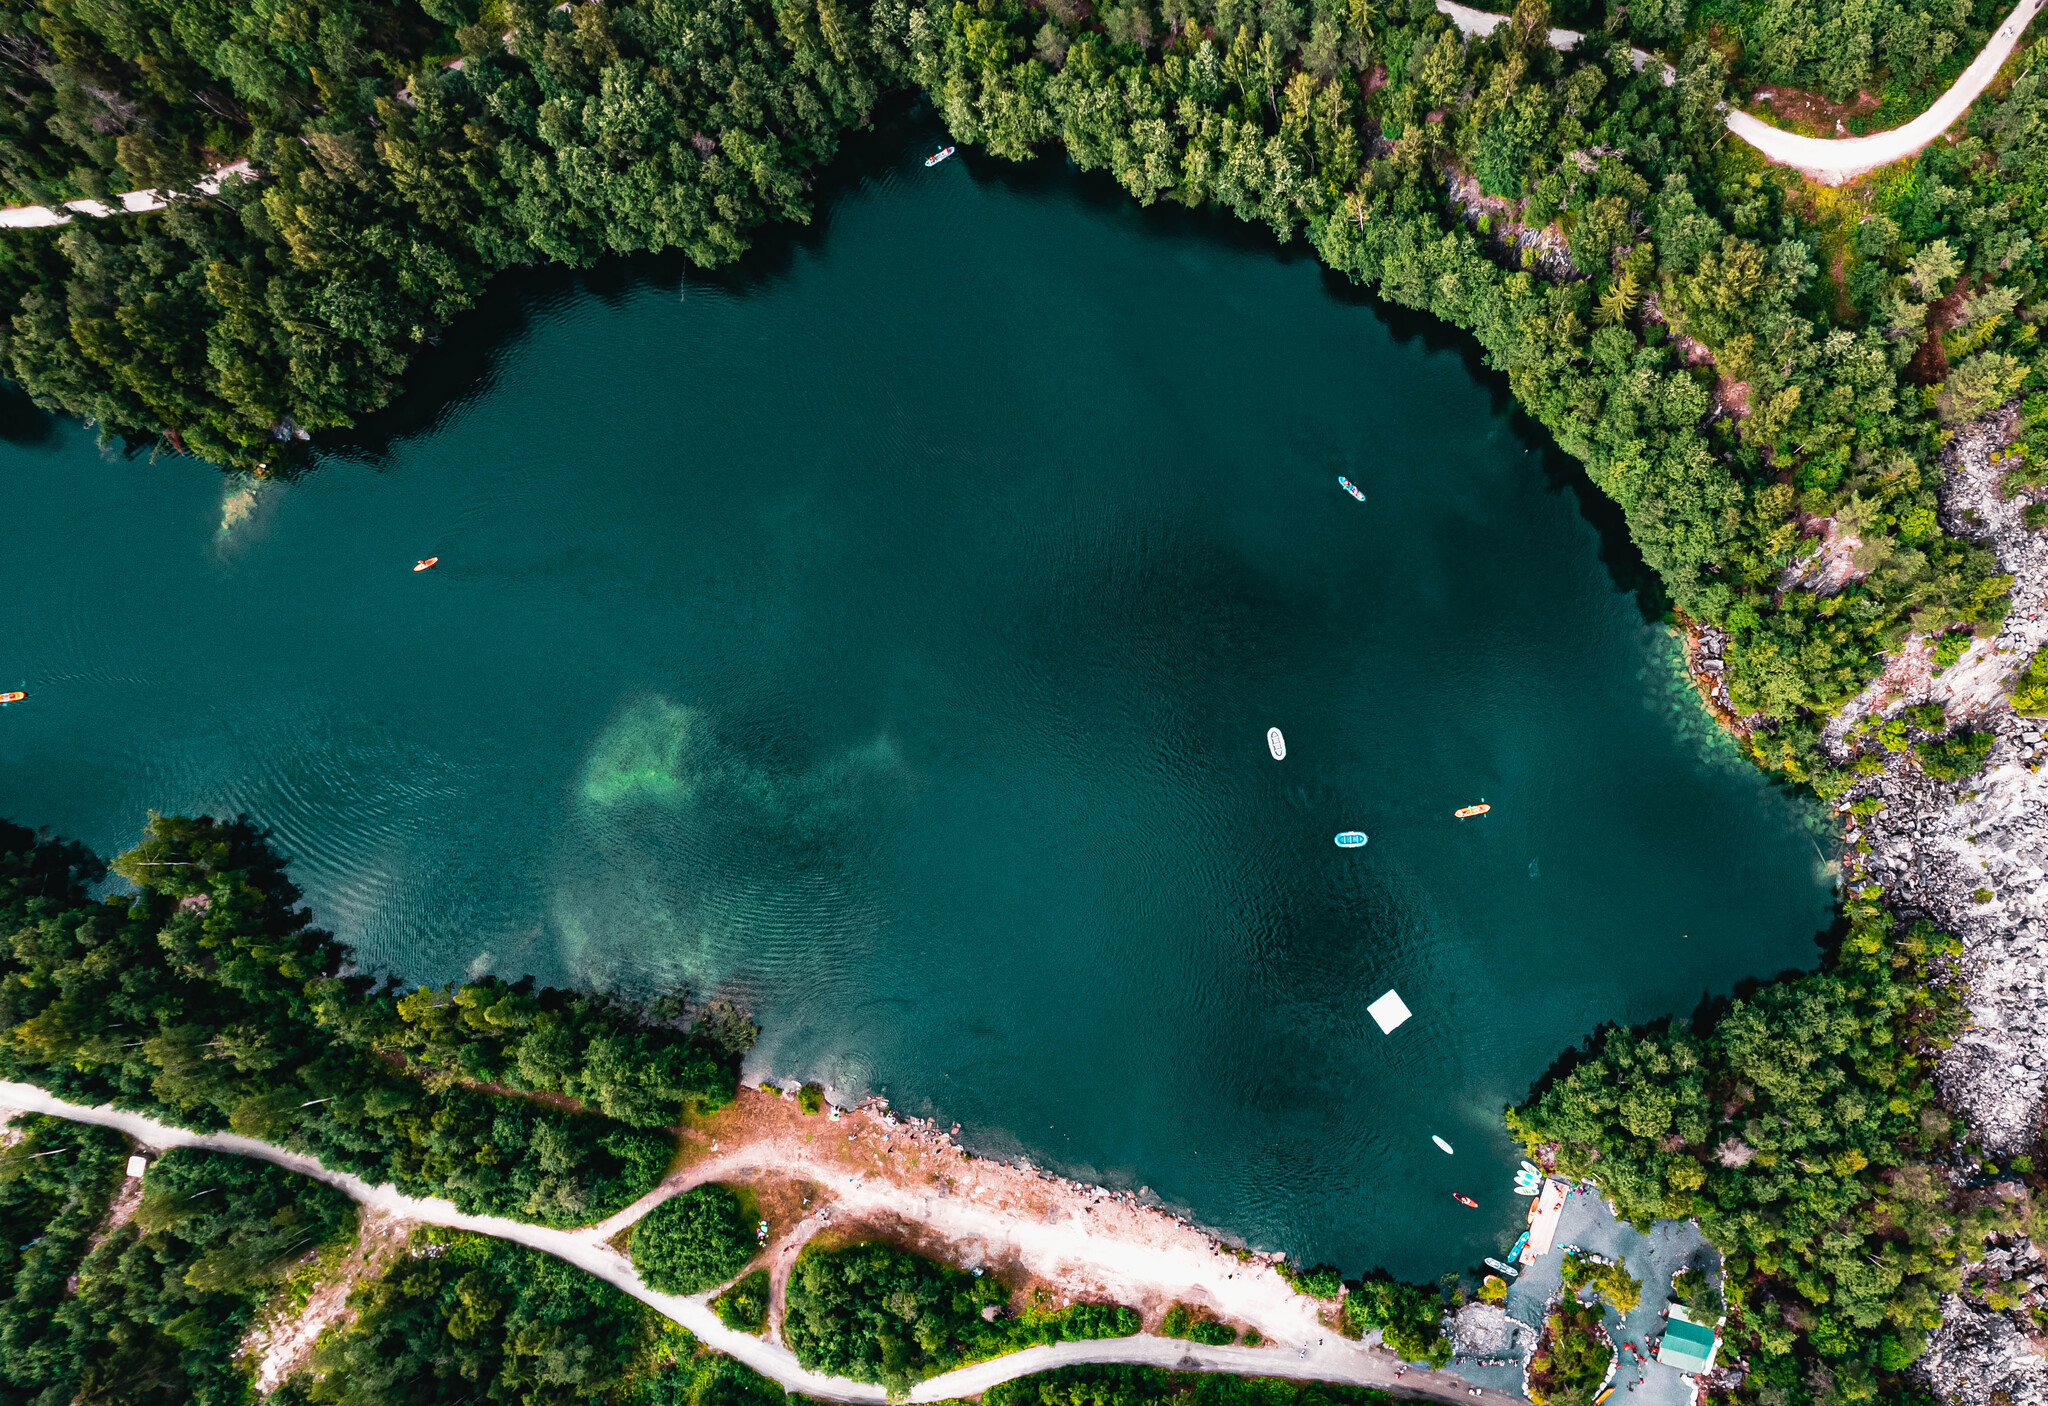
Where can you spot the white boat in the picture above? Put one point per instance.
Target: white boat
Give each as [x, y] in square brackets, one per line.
[1439, 1142]
[1509, 1270]
[1276, 744]
[940, 155]
[1351, 839]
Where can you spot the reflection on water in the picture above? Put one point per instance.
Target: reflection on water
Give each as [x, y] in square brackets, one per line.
[889, 636]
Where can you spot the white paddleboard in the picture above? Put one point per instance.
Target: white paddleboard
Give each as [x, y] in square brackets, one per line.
[1276, 744]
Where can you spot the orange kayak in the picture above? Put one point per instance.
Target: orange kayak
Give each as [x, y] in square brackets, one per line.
[15, 697]
[1462, 1199]
[1469, 811]
[424, 562]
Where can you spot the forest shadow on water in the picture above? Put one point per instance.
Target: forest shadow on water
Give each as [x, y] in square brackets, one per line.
[886, 630]
[459, 366]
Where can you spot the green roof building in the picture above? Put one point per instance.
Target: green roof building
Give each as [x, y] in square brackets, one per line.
[1688, 1344]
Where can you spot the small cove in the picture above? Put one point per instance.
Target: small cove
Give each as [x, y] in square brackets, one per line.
[888, 632]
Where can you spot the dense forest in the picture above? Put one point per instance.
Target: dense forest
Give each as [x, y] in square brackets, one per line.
[1749, 365]
[694, 1241]
[879, 1314]
[464, 1317]
[155, 1314]
[205, 999]
[56, 1179]
[1800, 1128]
[1744, 362]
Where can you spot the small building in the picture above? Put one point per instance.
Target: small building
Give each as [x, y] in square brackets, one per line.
[137, 1166]
[1689, 1345]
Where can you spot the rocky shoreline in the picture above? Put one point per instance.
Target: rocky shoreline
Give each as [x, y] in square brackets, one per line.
[1968, 855]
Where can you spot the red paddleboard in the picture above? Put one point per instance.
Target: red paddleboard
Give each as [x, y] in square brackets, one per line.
[1462, 1199]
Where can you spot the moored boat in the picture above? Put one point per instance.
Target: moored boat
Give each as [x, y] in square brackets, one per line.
[1467, 812]
[1276, 744]
[1351, 839]
[1509, 1270]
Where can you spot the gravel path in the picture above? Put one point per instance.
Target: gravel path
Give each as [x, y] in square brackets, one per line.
[133, 202]
[1831, 161]
[1311, 1353]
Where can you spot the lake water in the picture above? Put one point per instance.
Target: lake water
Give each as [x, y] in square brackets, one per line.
[888, 632]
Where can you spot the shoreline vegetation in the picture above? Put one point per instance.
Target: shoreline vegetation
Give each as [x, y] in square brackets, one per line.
[203, 1001]
[1763, 373]
[1794, 1119]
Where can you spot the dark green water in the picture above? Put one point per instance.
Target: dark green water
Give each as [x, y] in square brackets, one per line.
[890, 634]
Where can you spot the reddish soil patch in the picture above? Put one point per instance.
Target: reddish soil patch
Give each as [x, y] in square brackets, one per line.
[1810, 113]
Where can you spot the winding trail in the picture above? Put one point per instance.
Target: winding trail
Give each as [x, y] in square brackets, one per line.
[134, 202]
[1308, 1351]
[1831, 161]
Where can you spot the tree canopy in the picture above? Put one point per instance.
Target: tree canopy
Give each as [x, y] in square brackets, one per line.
[206, 999]
[694, 1241]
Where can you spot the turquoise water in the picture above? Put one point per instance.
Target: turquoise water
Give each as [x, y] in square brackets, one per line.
[888, 633]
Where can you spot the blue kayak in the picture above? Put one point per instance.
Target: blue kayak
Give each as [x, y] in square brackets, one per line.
[1350, 839]
[1351, 488]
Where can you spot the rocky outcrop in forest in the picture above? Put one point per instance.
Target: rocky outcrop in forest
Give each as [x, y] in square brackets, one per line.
[1968, 854]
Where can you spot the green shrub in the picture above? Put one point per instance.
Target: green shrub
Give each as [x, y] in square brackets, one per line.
[744, 1307]
[1571, 1356]
[1696, 1294]
[811, 1098]
[1196, 1325]
[878, 1314]
[1982, 896]
[2030, 689]
[1951, 647]
[2034, 515]
[693, 1241]
[1106, 1385]
[1322, 1282]
[1953, 758]
[1615, 1286]
[1928, 717]
[1407, 1316]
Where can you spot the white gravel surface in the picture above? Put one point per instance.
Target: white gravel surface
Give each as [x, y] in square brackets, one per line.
[1831, 161]
[1308, 1351]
